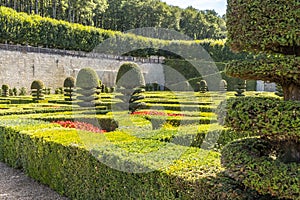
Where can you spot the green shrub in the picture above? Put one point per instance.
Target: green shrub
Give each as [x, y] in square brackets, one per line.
[37, 87]
[5, 90]
[76, 172]
[203, 86]
[10, 92]
[87, 82]
[130, 82]
[23, 91]
[240, 89]
[253, 163]
[15, 91]
[130, 76]
[69, 84]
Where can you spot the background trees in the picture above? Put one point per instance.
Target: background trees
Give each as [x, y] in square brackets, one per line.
[122, 15]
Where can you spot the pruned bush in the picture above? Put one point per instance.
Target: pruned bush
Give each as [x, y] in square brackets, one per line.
[87, 82]
[130, 76]
[130, 82]
[203, 86]
[69, 84]
[5, 90]
[37, 92]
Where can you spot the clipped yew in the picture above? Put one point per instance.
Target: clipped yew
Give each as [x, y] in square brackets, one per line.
[203, 86]
[37, 90]
[5, 90]
[270, 163]
[130, 82]
[69, 84]
[87, 82]
[269, 27]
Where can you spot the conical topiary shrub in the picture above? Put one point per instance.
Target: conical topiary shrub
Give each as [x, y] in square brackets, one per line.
[69, 85]
[5, 90]
[240, 88]
[87, 82]
[130, 82]
[37, 87]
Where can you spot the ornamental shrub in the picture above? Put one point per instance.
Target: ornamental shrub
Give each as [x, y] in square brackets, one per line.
[130, 82]
[203, 86]
[37, 92]
[267, 27]
[87, 82]
[130, 76]
[5, 90]
[69, 84]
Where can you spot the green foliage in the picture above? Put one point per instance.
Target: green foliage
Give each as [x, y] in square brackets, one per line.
[274, 68]
[23, 91]
[249, 28]
[87, 82]
[271, 117]
[37, 88]
[252, 162]
[203, 86]
[241, 88]
[130, 76]
[15, 91]
[87, 78]
[69, 82]
[37, 84]
[76, 172]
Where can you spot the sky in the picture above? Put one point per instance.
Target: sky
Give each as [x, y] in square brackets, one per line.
[218, 5]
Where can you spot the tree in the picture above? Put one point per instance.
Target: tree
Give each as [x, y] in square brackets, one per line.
[271, 28]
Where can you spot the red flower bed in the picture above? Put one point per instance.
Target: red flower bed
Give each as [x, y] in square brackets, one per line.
[80, 125]
[159, 113]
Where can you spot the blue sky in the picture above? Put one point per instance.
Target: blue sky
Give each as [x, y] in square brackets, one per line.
[218, 5]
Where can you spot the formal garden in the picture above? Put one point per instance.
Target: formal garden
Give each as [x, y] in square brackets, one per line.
[133, 141]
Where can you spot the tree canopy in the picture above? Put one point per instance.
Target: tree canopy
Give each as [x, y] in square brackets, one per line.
[123, 15]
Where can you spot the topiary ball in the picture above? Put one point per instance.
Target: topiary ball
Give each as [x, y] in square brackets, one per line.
[37, 84]
[5, 87]
[87, 78]
[69, 82]
[130, 76]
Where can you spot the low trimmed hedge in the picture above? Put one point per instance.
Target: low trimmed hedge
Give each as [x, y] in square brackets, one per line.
[249, 161]
[266, 116]
[59, 158]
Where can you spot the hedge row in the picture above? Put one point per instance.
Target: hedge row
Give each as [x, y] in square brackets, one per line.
[266, 116]
[20, 28]
[264, 25]
[249, 161]
[75, 172]
[273, 68]
[206, 136]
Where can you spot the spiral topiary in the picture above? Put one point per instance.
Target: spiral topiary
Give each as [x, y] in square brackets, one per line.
[5, 90]
[203, 86]
[130, 82]
[69, 84]
[37, 87]
[87, 82]
[130, 76]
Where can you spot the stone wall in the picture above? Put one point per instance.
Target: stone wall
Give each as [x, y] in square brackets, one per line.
[19, 69]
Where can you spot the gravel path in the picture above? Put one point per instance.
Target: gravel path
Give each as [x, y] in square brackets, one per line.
[15, 185]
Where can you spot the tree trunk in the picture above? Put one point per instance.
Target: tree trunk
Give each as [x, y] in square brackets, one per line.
[291, 92]
[289, 152]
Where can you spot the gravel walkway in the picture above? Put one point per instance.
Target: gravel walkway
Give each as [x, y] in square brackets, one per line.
[15, 185]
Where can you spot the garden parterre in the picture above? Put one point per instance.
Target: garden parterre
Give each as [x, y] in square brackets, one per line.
[82, 164]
